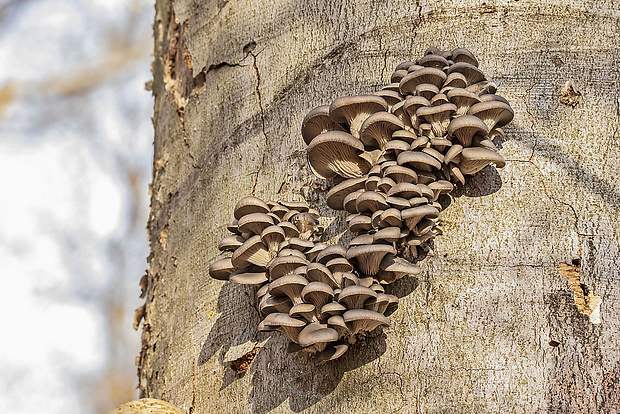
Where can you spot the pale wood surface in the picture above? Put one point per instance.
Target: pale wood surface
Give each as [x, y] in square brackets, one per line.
[474, 332]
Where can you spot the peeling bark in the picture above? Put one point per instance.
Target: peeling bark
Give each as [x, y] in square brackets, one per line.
[501, 320]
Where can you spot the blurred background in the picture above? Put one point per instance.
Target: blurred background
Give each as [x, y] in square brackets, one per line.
[75, 163]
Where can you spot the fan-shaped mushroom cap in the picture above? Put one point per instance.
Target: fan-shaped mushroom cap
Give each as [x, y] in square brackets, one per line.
[337, 153]
[455, 80]
[370, 201]
[431, 76]
[423, 227]
[426, 192]
[392, 87]
[337, 322]
[317, 335]
[476, 158]
[433, 61]
[360, 223]
[385, 184]
[438, 117]
[480, 141]
[463, 99]
[317, 272]
[361, 239]
[399, 111]
[317, 293]
[221, 269]
[353, 110]
[404, 65]
[254, 223]
[465, 127]
[492, 113]
[411, 106]
[398, 75]
[284, 323]
[274, 304]
[440, 144]
[231, 243]
[371, 183]
[338, 266]
[335, 196]
[396, 146]
[332, 309]
[330, 353]
[412, 216]
[440, 187]
[272, 236]
[492, 97]
[354, 297]
[306, 311]
[375, 218]
[279, 210]
[420, 142]
[454, 151]
[299, 244]
[455, 172]
[300, 206]
[394, 268]
[404, 135]
[471, 72]
[378, 304]
[387, 234]
[251, 252]
[364, 320]
[391, 97]
[400, 174]
[316, 122]
[290, 230]
[249, 276]
[377, 129]
[369, 257]
[249, 205]
[390, 217]
[439, 99]
[419, 161]
[398, 203]
[284, 265]
[350, 201]
[432, 50]
[290, 285]
[331, 252]
[433, 153]
[426, 90]
[405, 190]
[463, 55]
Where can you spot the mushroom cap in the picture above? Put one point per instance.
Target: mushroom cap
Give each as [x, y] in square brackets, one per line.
[493, 97]
[463, 55]
[353, 110]
[397, 75]
[440, 144]
[354, 297]
[318, 293]
[405, 190]
[255, 223]
[404, 135]
[330, 353]
[305, 222]
[290, 230]
[251, 252]
[387, 234]
[371, 183]
[390, 217]
[391, 97]
[471, 72]
[426, 90]
[331, 252]
[385, 184]
[332, 309]
[438, 117]
[440, 187]
[360, 223]
[337, 153]
[300, 206]
[379, 304]
[433, 61]
[426, 191]
[439, 99]
[401, 174]
[221, 269]
[397, 267]
[317, 334]
[284, 265]
[418, 160]
[370, 201]
[463, 99]
[335, 196]
[492, 113]
[231, 243]
[316, 122]
[412, 216]
[454, 151]
[398, 203]
[284, 323]
[364, 320]
[339, 265]
[396, 146]
[274, 304]
[465, 127]
[404, 65]
[304, 310]
[318, 272]
[299, 244]
[391, 87]
[337, 322]
[455, 80]
[368, 257]
[432, 76]
[290, 285]
[377, 129]
[474, 159]
[249, 276]
[249, 205]
[361, 239]
[272, 236]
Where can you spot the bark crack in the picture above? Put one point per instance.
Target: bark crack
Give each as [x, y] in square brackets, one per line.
[262, 117]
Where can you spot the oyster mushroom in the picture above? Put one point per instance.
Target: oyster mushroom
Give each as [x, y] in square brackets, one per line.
[353, 110]
[337, 153]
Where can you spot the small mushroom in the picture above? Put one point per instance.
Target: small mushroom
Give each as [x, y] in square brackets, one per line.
[284, 323]
[463, 99]
[377, 129]
[337, 153]
[471, 72]
[221, 269]
[335, 196]
[316, 122]
[317, 335]
[455, 80]
[290, 285]
[364, 320]
[426, 90]
[354, 297]
[254, 223]
[465, 127]
[476, 158]
[400, 174]
[394, 268]
[251, 252]
[370, 201]
[412, 216]
[492, 113]
[317, 293]
[249, 205]
[438, 117]
[331, 252]
[463, 55]
[231, 243]
[284, 265]
[411, 106]
[318, 272]
[431, 76]
[330, 353]
[353, 110]
[368, 257]
[419, 161]
[252, 275]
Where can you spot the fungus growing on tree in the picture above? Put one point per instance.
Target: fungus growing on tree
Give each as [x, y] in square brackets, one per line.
[390, 156]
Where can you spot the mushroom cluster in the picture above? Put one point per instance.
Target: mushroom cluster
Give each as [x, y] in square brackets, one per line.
[393, 153]
[306, 289]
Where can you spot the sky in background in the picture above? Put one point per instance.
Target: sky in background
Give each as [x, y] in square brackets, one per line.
[75, 163]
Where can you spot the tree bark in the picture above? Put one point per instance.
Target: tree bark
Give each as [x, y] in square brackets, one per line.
[491, 325]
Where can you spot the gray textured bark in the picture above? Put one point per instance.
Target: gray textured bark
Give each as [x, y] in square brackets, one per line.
[491, 325]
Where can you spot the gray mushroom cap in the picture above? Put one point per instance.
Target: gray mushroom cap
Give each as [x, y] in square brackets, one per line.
[338, 266]
[433, 61]
[290, 285]
[394, 268]
[476, 158]
[465, 127]
[387, 234]
[404, 135]
[398, 75]
[231, 243]
[337, 322]
[317, 293]
[361, 239]
[368, 257]
[284, 323]
[426, 90]
[463, 55]
[401, 174]
[353, 110]
[274, 304]
[455, 80]
[438, 117]
[398, 203]
[354, 297]
[454, 151]
[440, 187]
[412, 216]
[385, 184]
[316, 122]
[290, 230]
[390, 217]
[284, 265]
[463, 99]
[391, 97]
[364, 320]
[396, 146]
[317, 335]
[471, 72]
[335, 196]
[419, 161]
[337, 153]
[350, 201]
[377, 129]
[370, 201]
[330, 353]
[492, 113]
[439, 99]
[405, 190]
[251, 252]
[318, 272]
[254, 223]
[332, 309]
[248, 205]
[249, 276]
[221, 269]
[331, 252]
[306, 311]
[360, 223]
[431, 76]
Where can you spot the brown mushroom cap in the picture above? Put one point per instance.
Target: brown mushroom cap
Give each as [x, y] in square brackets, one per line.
[354, 297]
[405, 190]
[440, 187]
[290, 285]
[290, 230]
[332, 309]
[471, 72]
[391, 97]
[463, 99]
[353, 110]
[426, 90]
[492, 113]
[368, 257]
[394, 268]
[377, 129]
[401, 174]
[465, 127]
[318, 272]
[492, 97]
[412, 104]
[317, 335]
[360, 223]
[252, 275]
[361, 239]
[337, 153]
[412, 216]
[390, 217]
[284, 323]
[370, 201]
[433, 61]
[439, 99]
[249, 205]
[336, 195]
[386, 235]
[284, 265]
[455, 80]
[419, 161]
[221, 269]
[330, 353]
[463, 55]
[316, 122]
[404, 135]
[231, 243]
[274, 304]
[364, 320]
[331, 252]
[306, 311]
[431, 76]
[317, 293]
[254, 223]
[476, 158]
[438, 117]
[454, 151]
[251, 252]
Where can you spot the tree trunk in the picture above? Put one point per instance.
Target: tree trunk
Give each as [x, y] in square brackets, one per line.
[518, 305]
